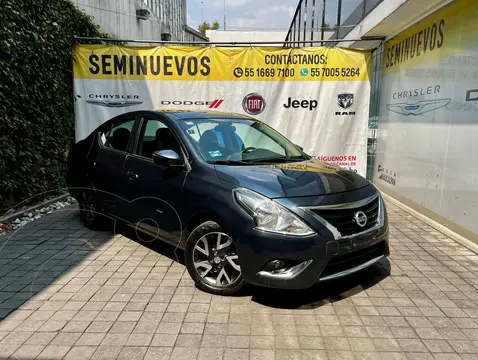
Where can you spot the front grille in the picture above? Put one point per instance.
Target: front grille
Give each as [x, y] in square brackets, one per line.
[343, 219]
[348, 261]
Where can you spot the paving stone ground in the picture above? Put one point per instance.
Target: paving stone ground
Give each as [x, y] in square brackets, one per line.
[70, 293]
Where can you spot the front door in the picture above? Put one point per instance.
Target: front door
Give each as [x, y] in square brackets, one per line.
[106, 164]
[155, 191]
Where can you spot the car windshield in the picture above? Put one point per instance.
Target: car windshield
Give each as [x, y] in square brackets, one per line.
[238, 141]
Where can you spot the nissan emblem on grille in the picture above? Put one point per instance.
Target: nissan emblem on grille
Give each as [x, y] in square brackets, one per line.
[360, 218]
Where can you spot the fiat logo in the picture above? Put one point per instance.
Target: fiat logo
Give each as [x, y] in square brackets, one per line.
[253, 104]
[360, 218]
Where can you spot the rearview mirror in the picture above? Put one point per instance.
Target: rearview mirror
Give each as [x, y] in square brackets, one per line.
[167, 157]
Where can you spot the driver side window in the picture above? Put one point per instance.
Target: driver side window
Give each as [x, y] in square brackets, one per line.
[156, 136]
[118, 136]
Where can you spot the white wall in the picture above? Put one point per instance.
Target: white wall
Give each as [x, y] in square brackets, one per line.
[427, 141]
[317, 36]
[245, 35]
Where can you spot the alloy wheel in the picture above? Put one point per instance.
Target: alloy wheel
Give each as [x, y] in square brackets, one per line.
[215, 259]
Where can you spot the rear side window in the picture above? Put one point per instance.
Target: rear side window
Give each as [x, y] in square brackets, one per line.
[118, 136]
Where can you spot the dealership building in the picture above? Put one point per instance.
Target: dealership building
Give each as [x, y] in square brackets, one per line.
[158, 20]
[423, 114]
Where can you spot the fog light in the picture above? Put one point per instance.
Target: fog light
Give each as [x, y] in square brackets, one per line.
[274, 265]
[283, 269]
[278, 264]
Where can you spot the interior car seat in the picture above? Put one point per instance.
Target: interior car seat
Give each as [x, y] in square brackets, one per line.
[120, 139]
[165, 140]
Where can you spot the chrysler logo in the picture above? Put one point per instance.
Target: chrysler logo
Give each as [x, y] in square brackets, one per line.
[417, 108]
[113, 100]
[115, 104]
[360, 218]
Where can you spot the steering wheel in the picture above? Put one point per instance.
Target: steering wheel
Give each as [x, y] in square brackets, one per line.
[248, 150]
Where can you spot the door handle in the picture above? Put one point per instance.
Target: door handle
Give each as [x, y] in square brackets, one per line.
[132, 175]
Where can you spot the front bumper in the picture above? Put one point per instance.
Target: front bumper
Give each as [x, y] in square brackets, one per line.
[316, 258]
[315, 262]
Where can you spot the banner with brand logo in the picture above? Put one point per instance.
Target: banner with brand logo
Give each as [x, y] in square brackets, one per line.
[317, 97]
[428, 129]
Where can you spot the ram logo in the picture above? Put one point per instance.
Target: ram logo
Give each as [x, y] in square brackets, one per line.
[345, 100]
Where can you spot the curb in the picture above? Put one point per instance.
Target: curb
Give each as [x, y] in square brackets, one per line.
[470, 245]
[33, 208]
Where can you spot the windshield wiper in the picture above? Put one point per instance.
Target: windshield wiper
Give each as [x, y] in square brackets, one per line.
[228, 162]
[280, 159]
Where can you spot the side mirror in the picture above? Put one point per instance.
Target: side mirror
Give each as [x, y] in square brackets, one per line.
[167, 157]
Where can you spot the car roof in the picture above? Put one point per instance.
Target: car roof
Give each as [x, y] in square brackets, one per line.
[177, 115]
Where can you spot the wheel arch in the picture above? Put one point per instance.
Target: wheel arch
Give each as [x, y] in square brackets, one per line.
[199, 217]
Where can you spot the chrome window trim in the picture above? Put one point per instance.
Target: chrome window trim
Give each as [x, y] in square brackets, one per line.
[351, 205]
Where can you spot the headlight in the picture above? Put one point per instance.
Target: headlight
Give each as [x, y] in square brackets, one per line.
[381, 207]
[381, 211]
[269, 215]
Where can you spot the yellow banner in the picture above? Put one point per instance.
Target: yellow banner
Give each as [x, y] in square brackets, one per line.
[448, 31]
[220, 64]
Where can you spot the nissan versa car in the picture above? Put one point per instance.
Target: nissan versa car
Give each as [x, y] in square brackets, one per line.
[245, 203]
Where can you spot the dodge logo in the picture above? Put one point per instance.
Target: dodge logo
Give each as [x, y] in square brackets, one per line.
[360, 218]
[253, 104]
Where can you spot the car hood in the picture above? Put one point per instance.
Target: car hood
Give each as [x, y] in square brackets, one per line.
[305, 178]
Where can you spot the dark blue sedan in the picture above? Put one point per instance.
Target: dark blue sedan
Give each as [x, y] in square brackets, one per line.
[245, 204]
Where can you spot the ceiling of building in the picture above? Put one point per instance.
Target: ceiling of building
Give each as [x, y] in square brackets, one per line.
[401, 19]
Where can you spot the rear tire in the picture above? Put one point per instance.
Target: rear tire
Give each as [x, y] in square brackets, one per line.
[90, 211]
[212, 261]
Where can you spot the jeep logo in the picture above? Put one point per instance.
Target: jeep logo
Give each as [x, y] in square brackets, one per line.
[305, 104]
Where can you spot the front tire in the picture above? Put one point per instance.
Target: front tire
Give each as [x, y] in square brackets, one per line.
[212, 261]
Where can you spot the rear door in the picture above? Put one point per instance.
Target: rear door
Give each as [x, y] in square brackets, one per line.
[105, 165]
[155, 191]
